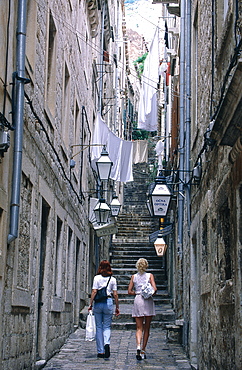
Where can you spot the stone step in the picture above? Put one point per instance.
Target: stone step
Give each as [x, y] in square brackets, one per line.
[124, 286]
[164, 316]
[135, 224]
[121, 276]
[161, 284]
[130, 271]
[132, 246]
[131, 264]
[134, 249]
[133, 256]
[129, 227]
[127, 240]
[131, 216]
[136, 253]
[129, 300]
[125, 258]
[160, 293]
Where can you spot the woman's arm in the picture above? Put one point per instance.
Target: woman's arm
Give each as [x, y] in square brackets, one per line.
[131, 286]
[93, 294]
[115, 296]
[152, 282]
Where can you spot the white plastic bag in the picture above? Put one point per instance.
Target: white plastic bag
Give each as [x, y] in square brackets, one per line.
[90, 327]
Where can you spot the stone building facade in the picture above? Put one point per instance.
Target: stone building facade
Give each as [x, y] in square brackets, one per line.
[71, 65]
[215, 244]
[206, 261]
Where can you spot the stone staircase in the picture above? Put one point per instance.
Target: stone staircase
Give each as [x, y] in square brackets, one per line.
[129, 244]
[134, 227]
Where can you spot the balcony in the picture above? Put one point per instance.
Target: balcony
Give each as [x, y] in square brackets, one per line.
[227, 126]
[173, 7]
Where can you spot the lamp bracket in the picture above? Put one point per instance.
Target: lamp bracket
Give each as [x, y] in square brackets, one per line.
[85, 146]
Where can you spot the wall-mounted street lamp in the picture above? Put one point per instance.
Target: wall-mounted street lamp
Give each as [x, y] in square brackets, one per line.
[159, 197]
[115, 206]
[160, 245]
[101, 212]
[104, 165]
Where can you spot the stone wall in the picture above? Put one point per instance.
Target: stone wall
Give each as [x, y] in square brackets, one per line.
[212, 288]
[46, 273]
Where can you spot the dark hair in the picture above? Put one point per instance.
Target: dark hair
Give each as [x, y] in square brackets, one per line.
[104, 268]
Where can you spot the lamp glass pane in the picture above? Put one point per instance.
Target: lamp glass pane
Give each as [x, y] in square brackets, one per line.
[104, 169]
[104, 165]
[115, 210]
[160, 196]
[101, 212]
[115, 206]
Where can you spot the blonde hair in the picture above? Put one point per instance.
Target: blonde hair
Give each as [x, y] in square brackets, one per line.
[142, 265]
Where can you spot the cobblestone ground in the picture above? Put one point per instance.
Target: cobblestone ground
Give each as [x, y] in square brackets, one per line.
[78, 354]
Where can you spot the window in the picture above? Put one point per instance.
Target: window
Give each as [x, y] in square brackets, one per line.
[43, 245]
[70, 252]
[66, 107]
[77, 267]
[30, 37]
[94, 85]
[58, 259]
[51, 67]
[225, 262]
[77, 126]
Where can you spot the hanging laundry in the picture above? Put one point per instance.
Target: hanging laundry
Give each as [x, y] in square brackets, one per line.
[120, 151]
[159, 148]
[147, 113]
[140, 151]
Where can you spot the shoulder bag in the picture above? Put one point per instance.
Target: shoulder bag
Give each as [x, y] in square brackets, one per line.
[101, 295]
[147, 290]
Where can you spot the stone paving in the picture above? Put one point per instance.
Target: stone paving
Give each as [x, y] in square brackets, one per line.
[78, 354]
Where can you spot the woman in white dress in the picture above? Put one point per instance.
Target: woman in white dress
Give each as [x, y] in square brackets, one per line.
[143, 309]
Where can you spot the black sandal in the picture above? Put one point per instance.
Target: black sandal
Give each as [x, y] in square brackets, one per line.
[138, 356]
[143, 355]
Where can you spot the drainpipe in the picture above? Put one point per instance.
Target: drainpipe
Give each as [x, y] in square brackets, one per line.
[101, 58]
[188, 111]
[18, 116]
[182, 133]
[96, 238]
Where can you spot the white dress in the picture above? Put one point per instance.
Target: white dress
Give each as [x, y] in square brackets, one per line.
[142, 307]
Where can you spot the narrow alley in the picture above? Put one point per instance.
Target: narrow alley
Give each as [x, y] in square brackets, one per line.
[80, 354]
[164, 351]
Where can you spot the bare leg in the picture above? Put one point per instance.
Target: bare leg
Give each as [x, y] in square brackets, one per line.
[139, 330]
[148, 320]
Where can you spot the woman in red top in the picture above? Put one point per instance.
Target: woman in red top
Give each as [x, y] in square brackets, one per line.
[103, 311]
